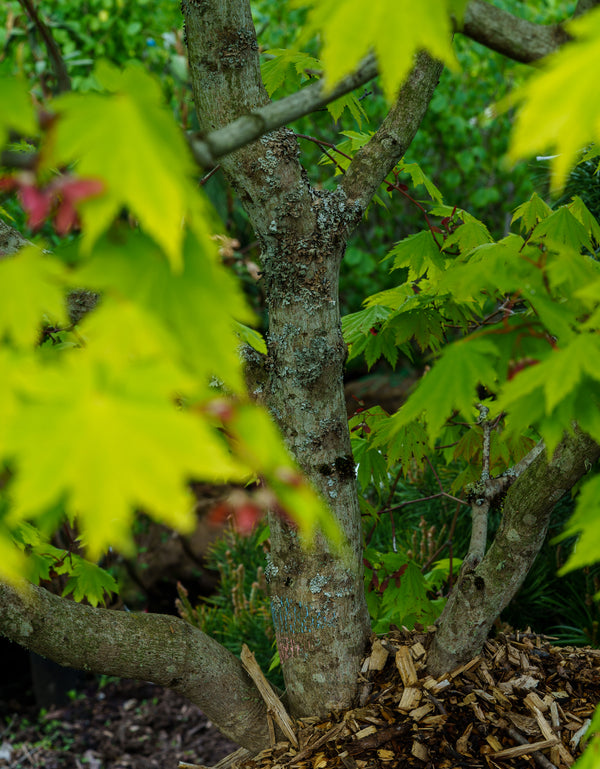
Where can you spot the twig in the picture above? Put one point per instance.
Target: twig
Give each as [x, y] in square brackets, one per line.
[539, 758]
[63, 81]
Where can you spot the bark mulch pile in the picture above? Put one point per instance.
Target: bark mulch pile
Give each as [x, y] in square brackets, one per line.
[522, 702]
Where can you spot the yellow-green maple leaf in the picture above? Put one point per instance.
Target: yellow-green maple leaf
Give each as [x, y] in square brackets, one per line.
[108, 443]
[560, 109]
[195, 306]
[31, 286]
[16, 108]
[394, 29]
[128, 139]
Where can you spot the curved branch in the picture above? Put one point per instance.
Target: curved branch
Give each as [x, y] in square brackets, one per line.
[483, 592]
[510, 35]
[150, 647]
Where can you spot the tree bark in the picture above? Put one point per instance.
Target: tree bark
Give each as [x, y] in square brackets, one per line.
[319, 609]
[510, 35]
[151, 647]
[482, 592]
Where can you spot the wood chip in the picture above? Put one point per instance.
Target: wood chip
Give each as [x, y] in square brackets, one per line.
[418, 713]
[411, 696]
[462, 743]
[494, 743]
[534, 701]
[463, 668]
[379, 655]
[418, 651]
[272, 701]
[521, 750]
[405, 666]
[419, 751]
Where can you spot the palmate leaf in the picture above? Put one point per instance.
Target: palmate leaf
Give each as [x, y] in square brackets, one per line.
[110, 442]
[420, 253]
[190, 305]
[450, 386]
[531, 212]
[585, 522]
[127, 138]
[31, 287]
[583, 214]
[418, 177]
[562, 228]
[559, 111]
[88, 580]
[395, 29]
[16, 108]
[559, 374]
[348, 102]
[276, 70]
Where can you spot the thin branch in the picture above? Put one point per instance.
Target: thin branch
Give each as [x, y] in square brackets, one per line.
[264, 119]
[63, 81]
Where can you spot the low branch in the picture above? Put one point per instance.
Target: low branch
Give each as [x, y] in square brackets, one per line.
[150, 647]
[510, 35]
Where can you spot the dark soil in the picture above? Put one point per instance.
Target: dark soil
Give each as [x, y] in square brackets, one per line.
[122, 725]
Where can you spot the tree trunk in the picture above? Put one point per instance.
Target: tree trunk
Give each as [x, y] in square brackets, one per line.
[317, 597]
[481, 593]
[319, 609]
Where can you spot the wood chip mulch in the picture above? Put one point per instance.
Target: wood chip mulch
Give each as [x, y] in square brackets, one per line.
[522, 702]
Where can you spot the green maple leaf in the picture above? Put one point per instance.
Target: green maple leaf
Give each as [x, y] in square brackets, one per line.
[567, 124]
[394, 29]
[418, 177]
[16, 108]
[450, 385]
[562, 228]
[531, 212]
[565, 368]
[109, 443]
[31, 287]
[420, 253]
[88, 580]
[348, 102]
[584, 522]
[276, 71]
[127, 138]
[582, 213]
